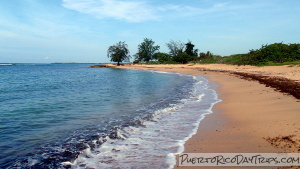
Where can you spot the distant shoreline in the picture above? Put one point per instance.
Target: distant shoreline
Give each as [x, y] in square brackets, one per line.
[73, 63]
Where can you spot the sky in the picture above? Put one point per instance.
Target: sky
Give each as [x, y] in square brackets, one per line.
[47, 31]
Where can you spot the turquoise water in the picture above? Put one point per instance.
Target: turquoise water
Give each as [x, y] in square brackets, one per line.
[51, 114]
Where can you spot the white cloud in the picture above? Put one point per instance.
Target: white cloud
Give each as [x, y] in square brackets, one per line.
[130, 11]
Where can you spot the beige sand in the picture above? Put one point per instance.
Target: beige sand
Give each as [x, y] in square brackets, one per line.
[251, 118]
[290, 72]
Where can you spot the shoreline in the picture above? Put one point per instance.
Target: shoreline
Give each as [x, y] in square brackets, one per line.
[251, 118]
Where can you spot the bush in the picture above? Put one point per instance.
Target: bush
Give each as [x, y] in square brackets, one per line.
[171, 62]
[209, 58]
[183, 58]
[162, 57]
[136, 62]
[276, 53]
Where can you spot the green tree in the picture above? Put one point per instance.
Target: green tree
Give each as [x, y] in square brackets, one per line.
[118, 52]
[162, 57]
[146, 50]
[189, 49]
[183, 58]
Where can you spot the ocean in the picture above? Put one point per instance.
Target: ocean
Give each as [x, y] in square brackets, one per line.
[70, 115]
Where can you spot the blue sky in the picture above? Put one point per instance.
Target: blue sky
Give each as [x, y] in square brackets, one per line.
[46, 31]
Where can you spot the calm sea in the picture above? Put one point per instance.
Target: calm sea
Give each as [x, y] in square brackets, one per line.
[70, 115]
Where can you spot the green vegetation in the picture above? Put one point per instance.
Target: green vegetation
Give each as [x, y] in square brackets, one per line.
[175, 47]
[118, 52]
[162, 57]
[269, 55]
[183, 58]
[189, 49]
[179, 53]
[147, 50]
[276, 54]
[294, 63]
[208, 58]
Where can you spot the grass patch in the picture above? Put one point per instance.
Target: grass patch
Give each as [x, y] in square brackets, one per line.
[291, 64]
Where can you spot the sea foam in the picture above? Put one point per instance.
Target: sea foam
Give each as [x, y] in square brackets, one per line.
[155, 143]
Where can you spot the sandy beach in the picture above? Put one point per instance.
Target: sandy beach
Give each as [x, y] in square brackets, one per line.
[251, 118]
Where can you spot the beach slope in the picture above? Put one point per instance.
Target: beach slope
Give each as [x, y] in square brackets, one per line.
[252, 117]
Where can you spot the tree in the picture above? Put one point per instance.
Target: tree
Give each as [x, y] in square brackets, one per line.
[183, 58]
[162, 57]
[146, 50]
[189, 49]
[118, 52]
[175, 47]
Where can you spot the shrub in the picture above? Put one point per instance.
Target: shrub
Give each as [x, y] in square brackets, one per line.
[183, 58]
[276, 53]
[136, 61]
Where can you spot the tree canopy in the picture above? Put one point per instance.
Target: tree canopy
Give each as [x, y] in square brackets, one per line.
[273, 54]
[146, 50]
[175, 47]
[118, 52]
[162, 57]
[189, 49]
[182, 53]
